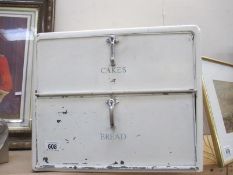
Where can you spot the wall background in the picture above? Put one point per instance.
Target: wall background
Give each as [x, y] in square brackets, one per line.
[214, 17]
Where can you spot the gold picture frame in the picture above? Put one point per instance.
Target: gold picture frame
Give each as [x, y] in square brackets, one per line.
[20, 21]
[218, 102]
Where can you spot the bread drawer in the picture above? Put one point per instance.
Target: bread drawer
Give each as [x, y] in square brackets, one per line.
[148, 131]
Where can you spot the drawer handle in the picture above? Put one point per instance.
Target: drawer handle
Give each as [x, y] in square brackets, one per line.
[111, 104]
[112, 40]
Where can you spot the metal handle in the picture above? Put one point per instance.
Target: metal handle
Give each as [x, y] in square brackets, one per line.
[111, 104]
[112, 40]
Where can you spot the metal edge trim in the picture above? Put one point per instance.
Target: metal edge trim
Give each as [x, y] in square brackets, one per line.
[51, 94]
[195, 30]
[74, 168]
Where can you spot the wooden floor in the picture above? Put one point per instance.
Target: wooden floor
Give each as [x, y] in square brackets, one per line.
[20, 164]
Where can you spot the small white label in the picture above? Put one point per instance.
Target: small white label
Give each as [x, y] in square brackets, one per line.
[52, 146]
[227, 151]
[18, 93]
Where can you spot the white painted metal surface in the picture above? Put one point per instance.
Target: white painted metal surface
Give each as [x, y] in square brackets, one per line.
[142, 114]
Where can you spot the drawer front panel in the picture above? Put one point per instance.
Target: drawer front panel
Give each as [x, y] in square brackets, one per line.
[151, 131]
[143, 62]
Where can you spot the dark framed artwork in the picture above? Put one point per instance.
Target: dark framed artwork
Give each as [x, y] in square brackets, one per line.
[20, 21]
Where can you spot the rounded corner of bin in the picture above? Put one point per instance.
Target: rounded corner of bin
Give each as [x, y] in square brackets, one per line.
[195, 29]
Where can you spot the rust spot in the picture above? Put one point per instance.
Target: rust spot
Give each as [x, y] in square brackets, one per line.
[109, 167]
[124, 167]
[48, 166]
[113, 80]
[192, 168]
[154, 167]
[63, 112]
[45, 159]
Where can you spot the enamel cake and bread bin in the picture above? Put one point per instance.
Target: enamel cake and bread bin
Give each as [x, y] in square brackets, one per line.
[125, 100]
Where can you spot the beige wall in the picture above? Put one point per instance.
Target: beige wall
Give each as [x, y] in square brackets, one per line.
[213, 16]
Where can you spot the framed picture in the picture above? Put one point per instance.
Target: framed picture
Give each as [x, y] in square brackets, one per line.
[218, 101]
[20, 21]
